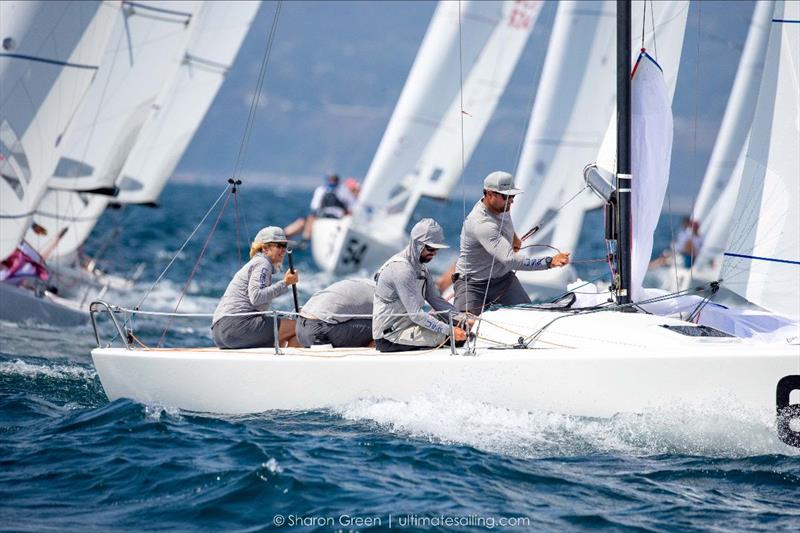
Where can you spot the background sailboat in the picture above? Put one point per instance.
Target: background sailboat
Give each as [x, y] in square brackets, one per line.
[421, 151]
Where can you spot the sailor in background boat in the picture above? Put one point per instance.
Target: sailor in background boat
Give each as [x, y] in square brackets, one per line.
[252, 290]
[331, 200]
[335, 315]
[489, 255]
[404, 284]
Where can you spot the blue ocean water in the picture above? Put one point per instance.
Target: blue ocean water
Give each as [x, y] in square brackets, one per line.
[72, 460]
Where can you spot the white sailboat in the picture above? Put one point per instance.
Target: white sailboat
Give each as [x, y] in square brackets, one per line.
[50, 56]
[596, 361]
[421, 151]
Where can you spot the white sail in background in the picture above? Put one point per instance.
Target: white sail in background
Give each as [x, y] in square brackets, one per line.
[762, 261]
[147, 40]
[146, 44]
[440, 165]
[217, 33]
[570, 115]
[215, 43]
[431, 87]
[50, 55]
[738, 115]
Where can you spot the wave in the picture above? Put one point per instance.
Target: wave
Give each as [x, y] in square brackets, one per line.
[55, 371]
[720, 430]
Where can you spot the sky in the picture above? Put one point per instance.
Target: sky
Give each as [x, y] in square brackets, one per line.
[336, 70]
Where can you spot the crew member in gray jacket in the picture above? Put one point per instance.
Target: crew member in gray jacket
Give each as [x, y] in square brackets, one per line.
[404, 284]
[490, 251]
[252, 290]
[335, 315]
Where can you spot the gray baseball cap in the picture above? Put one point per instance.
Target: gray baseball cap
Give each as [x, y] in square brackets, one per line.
[502, 182]
[429, 232]
[272, 234]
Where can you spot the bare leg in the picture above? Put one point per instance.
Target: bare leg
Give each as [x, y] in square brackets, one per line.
[308, 227]
[286, 334]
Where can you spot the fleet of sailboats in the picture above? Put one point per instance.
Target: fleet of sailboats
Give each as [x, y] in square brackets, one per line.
[156, 68]
[614, 353]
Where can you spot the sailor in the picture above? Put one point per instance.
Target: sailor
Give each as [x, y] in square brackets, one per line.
[252, 290]
[339, 315]
[331, 200]
[490, 251]
[404, 284]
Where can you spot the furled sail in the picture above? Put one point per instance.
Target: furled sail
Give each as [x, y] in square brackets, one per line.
[762, 261]
[51, 51]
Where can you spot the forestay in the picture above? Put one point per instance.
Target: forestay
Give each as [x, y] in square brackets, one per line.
[50, 55]
[762, 262]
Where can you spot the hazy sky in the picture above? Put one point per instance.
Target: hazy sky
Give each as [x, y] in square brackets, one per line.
[337, 69]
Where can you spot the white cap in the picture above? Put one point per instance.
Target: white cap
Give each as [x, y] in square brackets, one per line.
[272, 234]
[502, 182]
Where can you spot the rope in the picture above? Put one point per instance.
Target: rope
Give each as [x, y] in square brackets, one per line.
[256, 94]
[238, 239]
[463, 162]
[174, 257]
[196, 264]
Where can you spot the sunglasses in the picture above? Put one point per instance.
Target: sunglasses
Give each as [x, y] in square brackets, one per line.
[279, 244]
[505, 197]
[430, 249]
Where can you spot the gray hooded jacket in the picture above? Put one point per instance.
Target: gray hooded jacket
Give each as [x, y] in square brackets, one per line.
[404, 285]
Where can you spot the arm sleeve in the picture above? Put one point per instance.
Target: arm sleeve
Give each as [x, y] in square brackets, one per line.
[260, 290]
[404, 280]
[434, 297]
[494, 243]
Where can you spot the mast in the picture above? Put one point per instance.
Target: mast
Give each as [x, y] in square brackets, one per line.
[623, 189]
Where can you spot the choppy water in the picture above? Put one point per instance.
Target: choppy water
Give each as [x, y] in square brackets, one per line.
[70, 460]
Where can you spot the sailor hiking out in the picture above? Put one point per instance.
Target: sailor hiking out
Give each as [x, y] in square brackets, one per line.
[335, 315]
[251, 290]
[404, 284]
[490, 248]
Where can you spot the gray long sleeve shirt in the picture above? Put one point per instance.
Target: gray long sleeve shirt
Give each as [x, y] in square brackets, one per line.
[251, 289]
[483, 239]
[334, 304]
[403, 287]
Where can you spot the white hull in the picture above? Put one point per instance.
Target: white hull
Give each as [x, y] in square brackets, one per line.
[340, 249]
[576, 368]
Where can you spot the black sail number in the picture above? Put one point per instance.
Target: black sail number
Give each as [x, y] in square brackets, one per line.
[354, 252]
[788, 412]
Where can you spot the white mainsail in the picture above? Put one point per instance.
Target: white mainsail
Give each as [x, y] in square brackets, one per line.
[738, 116]
[762, 261]
[50, 55]
[430, 90]
[216, 36]
[440, 165]
[146, 44]
[215, 43]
